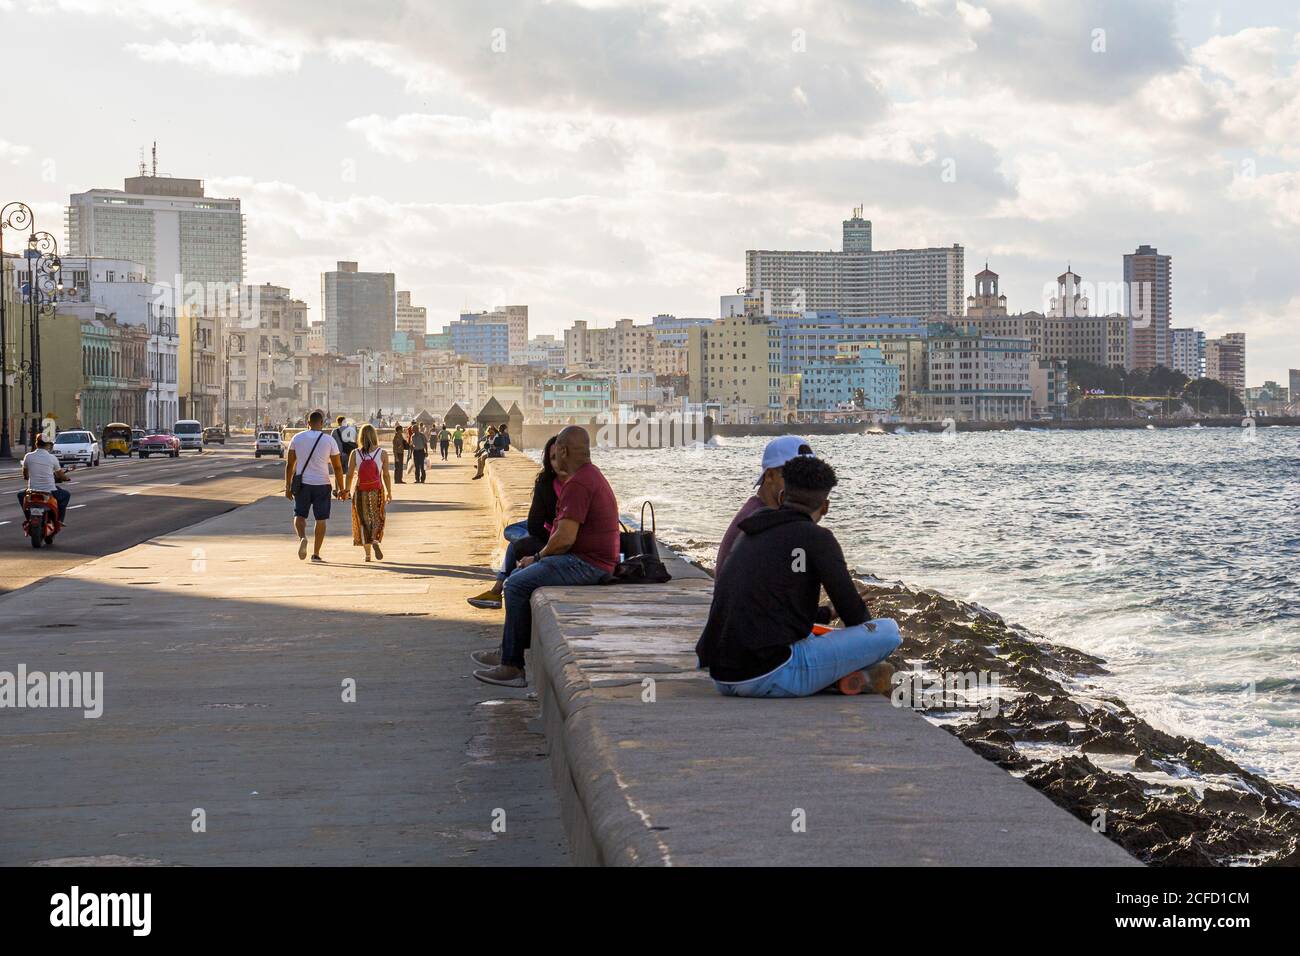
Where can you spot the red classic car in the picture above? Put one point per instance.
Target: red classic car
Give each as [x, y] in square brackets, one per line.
[159, 441]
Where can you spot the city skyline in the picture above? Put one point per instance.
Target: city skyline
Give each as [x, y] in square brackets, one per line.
[450, 164]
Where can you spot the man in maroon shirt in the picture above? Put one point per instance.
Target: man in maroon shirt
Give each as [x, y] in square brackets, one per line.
[582, 550]
[768, 489]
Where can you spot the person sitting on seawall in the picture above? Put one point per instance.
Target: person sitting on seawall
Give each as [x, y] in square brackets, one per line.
[767, 490]
[488, 448]
[759, 639]
[582, 550]
[541, 522]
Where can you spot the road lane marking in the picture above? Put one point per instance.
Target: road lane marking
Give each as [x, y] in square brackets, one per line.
[74, 507]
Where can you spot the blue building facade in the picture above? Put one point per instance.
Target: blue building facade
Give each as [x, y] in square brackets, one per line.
[864, 380]
[485, 342]
[814, 338]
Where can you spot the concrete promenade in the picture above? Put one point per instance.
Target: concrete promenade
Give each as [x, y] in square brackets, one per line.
[224, 660]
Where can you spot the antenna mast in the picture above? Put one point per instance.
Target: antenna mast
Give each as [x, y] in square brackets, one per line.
[155, 159]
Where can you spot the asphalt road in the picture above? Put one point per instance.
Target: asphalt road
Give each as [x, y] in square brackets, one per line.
[125, 501]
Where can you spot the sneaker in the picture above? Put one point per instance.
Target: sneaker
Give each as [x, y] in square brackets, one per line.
[489, 600]
[318, 558]
[378, 554]
[503, 675]
[486, 658]
[302, 549]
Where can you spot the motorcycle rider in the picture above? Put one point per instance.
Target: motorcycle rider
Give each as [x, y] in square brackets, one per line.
[42, 471]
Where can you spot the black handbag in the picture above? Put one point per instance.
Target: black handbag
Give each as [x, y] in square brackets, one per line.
[639, 569]
[632, 543]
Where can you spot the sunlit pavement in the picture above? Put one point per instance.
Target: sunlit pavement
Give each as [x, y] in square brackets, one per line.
[227, 736]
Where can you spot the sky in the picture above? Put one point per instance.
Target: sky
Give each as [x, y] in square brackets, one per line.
[601, 159]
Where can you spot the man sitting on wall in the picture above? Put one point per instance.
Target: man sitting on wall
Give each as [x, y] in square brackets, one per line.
[767, 490]
[759, 640]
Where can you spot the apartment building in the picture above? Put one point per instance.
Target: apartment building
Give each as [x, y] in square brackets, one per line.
[975, 377]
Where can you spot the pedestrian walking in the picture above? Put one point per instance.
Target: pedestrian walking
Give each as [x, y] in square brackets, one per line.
[458, 439]
[419, 448]
[444, 440]
[371, 488]
[311, 457]
[399, 453]
[345, 436]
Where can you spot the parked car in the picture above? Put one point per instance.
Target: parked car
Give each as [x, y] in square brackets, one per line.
[76, 446]
[160, 441]
[268, 443]
[136, 435]
[214, 435]
[190, 433]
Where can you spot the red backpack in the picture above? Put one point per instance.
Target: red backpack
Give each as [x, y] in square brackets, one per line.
[368, 476]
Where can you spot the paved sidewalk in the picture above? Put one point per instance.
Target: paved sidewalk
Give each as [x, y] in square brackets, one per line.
[223, 661]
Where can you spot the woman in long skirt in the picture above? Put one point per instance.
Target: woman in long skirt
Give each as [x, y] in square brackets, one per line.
[371, 486]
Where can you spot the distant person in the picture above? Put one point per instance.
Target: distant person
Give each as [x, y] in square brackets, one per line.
[768, 488]
[540, 523]
[458, 440]
[758, 640]
[420, 449]
[312, 456]
[444, 441]
[399, 453]
[503, 438]
[345, 436]
[582, 550]
[43, 471]
[371, 488]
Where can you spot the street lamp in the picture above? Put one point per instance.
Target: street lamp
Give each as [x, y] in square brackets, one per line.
[15, 215]
[43, 289]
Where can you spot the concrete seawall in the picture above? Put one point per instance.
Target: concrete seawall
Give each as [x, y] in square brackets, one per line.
[653, 767]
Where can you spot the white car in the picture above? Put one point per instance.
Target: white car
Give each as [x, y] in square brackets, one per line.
[190, 433]
[76, 447]
[268, 443]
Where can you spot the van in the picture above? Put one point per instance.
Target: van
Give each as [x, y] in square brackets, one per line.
[190, 433]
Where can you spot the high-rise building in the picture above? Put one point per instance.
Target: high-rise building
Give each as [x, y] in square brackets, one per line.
[168, 225]
[1225, 361]
[1148, 281]
[859, 281]
[1294, 386]
[1187, 352]
[359, 308]
[411, 319]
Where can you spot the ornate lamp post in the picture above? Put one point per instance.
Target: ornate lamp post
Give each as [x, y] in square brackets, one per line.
[42, 289]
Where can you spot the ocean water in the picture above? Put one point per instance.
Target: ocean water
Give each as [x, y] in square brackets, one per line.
[1174, 554]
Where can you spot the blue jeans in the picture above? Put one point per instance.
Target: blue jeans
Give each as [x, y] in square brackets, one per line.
[819, 660]
[557, 570]
[61, 495]
[516, 549]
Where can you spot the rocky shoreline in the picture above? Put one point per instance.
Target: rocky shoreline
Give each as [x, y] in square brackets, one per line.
[1168, 800]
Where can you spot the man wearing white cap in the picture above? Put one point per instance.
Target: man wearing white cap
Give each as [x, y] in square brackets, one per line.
[768, 488]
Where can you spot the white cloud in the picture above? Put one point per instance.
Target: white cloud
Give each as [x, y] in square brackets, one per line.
[234, 59]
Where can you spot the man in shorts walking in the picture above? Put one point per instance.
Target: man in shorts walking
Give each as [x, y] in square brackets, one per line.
[307, 467]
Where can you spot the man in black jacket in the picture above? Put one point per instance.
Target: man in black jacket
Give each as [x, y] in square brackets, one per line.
[758, 641]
